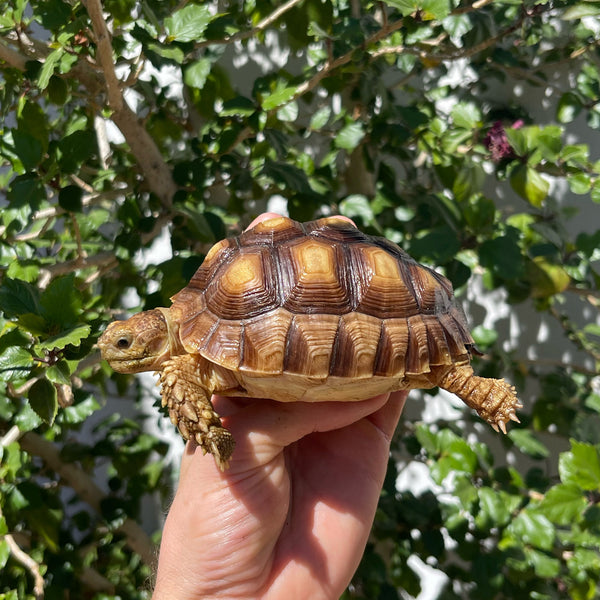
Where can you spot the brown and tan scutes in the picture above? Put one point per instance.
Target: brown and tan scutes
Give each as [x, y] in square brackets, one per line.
[315, 312]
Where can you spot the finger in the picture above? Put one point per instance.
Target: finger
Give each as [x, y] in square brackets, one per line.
[387, 417]
[272, 215]
[264, 427]
[263, 217]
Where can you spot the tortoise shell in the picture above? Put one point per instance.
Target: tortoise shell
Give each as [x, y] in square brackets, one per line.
[319, 299]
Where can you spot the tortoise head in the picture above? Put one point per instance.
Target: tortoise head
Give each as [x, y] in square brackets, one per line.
[141, 343]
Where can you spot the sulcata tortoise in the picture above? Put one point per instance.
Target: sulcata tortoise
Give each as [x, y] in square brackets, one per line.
[313, 312]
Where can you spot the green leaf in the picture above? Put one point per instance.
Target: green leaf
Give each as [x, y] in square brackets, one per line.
[69, 198]
[429, 9]
[59, 373]
[49, 66]
[277, 98]
[18, 297]
[528, 443]
[238, 106]
[349, 136]
[546, 279]
[188, 24]
[494, 508]
[544, 565]
[288, 175]
[569, 106]
[320, 118]
[529, 184]
[75, 149]
[357, 205]
[564, 504]
[579, 183]
[484, 337]
[43, 399]
[79, 412]
[72, 336]
[581, 10]
[15, 363]
[195, 75]
[4, 553]
[288, 112]
[28, 149]
[61, 302]
[581, 466]
[534, 528]
[502, 256]
[440, 244]
[26, 190]
[466, 115]
[58, 90]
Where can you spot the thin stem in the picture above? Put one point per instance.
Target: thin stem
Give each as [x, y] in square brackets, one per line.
[260, 26]
[33, 567]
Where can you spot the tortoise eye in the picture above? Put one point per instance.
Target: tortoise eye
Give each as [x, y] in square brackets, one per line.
[123, 343]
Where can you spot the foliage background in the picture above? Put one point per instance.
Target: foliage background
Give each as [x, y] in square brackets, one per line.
[466, 132]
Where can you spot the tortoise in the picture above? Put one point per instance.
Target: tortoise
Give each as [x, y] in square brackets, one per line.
[315, 311]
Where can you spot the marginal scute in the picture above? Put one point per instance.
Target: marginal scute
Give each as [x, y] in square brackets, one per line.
[264, 343]
[196, 330]
[186, 303]
[224, 344]
[310, 344]
[417, 352]
[390, 358]
[355, 346]
[437, 346]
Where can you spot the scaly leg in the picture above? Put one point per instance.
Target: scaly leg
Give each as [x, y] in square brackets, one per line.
[186, 388]
[494, 399]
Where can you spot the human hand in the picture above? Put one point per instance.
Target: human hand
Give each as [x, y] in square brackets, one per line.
[291, 517]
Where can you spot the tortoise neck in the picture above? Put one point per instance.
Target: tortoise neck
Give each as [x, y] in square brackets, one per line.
[175, 346]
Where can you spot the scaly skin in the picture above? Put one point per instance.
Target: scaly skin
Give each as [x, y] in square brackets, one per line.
[185, 394]
[494, 399]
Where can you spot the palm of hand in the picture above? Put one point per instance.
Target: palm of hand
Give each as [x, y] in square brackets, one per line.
[291, 517]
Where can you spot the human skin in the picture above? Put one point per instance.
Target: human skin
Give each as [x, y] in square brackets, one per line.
[291, 516]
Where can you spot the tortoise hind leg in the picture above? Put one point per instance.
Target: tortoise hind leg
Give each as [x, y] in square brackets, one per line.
[494, 400]
[186, 390]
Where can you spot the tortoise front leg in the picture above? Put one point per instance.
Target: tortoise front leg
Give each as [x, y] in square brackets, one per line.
[186, 388]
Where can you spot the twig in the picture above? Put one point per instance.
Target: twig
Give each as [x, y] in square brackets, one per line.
[86, 488]
[104, 151]
[12, 57]
[260, 26]
[28, 562]
[104, 57]
[12, 435]
[143, 147]
[461, 10]
[331, 65]
[102, 259]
